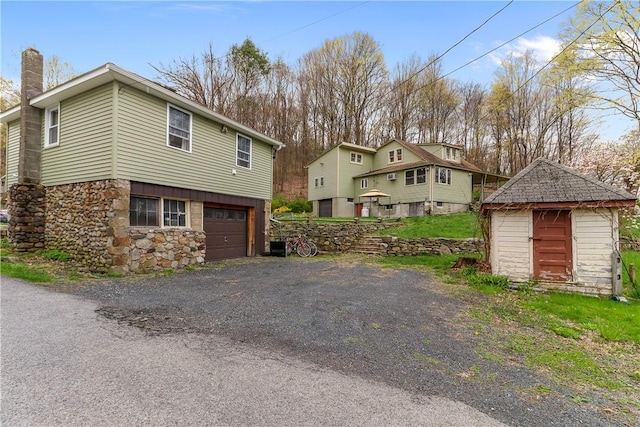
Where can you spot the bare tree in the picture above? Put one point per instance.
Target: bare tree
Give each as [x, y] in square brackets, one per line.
[205, 79]
[604, 40]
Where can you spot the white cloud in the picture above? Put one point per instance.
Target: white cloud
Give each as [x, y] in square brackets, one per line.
[544, 48]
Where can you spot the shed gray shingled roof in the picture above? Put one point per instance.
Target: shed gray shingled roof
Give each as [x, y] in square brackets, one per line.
[544, 181]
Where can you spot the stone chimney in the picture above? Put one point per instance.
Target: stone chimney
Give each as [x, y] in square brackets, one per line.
[27, 198]
[30, 118]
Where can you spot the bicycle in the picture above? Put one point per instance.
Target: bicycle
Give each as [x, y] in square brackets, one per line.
[301, 246]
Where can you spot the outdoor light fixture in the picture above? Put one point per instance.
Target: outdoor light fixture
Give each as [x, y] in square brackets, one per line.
[224, 129]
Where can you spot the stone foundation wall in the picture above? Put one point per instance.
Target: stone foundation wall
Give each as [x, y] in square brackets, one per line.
[166, 248]
[27, 217]
[90, 221]
[86, 219]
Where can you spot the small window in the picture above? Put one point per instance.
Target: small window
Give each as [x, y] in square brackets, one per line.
[52, 126]
[356, 158]
[143, 211]
[178, 128]
[318, 182]
[364, 183]
[392, 156]
[243, 156]
[439, 205]
[174, 213]
[421, 176]
[399, 155]
[442, 176]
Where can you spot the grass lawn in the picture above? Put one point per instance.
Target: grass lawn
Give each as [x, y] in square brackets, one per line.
[460, 226]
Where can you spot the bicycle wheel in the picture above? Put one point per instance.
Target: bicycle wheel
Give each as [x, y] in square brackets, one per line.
[303, 249]
[290, 246]
[314, 248]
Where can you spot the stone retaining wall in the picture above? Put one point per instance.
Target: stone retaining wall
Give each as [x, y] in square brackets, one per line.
[396, 246]
[344, 237]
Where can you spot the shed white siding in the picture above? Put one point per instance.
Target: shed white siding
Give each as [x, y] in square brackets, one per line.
[594, 240]
[510, 244]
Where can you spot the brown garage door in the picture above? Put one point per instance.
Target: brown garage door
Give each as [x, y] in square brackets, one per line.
[226, 231]
[324, 208]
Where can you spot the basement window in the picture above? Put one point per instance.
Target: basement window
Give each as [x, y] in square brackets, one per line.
[144, 212]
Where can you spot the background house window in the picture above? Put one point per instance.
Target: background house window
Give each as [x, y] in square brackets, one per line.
[243, 153]
[443, 175]
[143, 211]
[409, 177]
[174, 213]
[364, 183]
[52, 125]
[178, 129]
[356, 158]
[395, 155]
[319, 182]
[415, 176]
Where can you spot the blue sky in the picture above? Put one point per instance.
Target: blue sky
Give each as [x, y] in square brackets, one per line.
[134, 35]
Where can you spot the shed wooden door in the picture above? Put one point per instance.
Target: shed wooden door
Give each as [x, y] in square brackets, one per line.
[552, 245]
[226, 231]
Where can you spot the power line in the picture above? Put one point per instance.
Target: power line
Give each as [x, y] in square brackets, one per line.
[317, 21]
[514, 38]
[448, 50]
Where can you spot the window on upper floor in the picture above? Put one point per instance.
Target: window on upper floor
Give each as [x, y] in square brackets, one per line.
[144, 212]
[442, 176]
[356, 158]
[395, 155]
[243, 151]
[364, 183]
[178, 128]
[452, 153]
[415, 176]
[52, 126]
[318, 181]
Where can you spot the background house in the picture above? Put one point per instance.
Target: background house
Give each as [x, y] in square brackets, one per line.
[419, 179]
[558, 227]
[125, 174]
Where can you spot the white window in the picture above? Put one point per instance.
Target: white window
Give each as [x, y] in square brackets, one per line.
[395, 155]
[243, 151]
[442, 176]
[174, 213]
[178, 128]
[415, 176]
[318, 182]
[364, 183]
[143, 211]
[451, 153]
[356, 158]
[52, 126]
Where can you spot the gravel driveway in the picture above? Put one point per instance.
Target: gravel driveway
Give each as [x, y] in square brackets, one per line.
[399, 327]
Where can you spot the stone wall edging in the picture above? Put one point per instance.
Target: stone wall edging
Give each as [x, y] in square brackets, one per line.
[344, 237]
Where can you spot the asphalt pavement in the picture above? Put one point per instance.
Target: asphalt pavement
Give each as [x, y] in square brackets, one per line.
[64, 364]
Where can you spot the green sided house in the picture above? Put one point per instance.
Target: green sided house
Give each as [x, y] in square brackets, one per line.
[126, 175]
[415, 179]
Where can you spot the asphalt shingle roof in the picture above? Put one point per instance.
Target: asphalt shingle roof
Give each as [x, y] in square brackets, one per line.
[544, 181]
